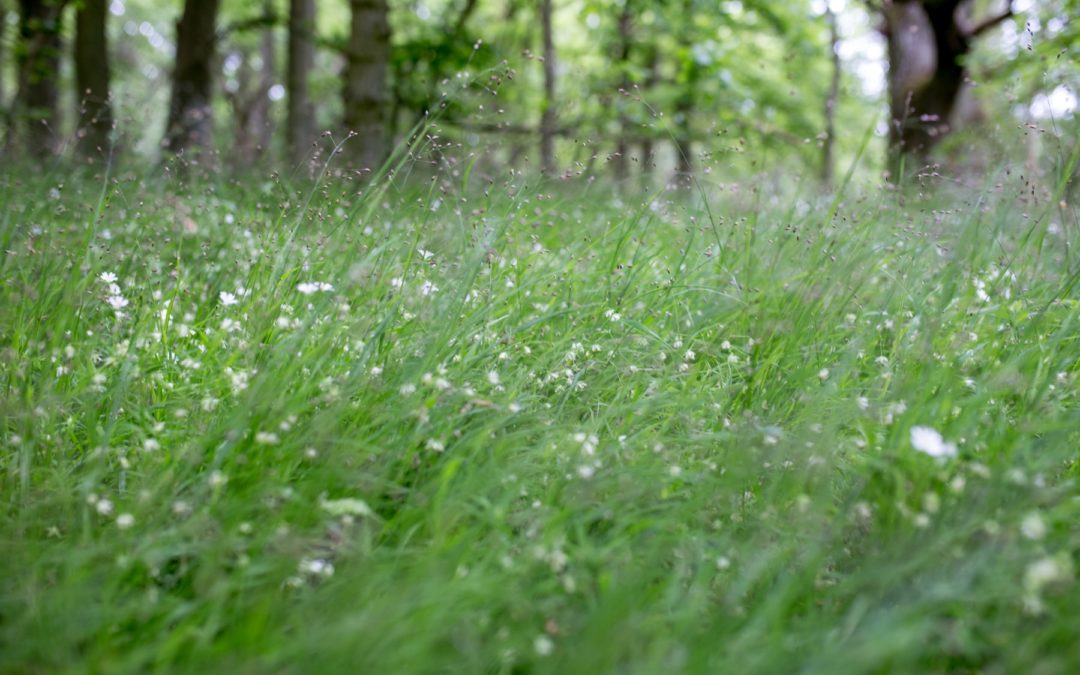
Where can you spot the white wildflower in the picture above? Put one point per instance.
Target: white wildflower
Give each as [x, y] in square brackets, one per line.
[930, 442]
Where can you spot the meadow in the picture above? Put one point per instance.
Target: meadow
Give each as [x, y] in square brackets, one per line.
[500, 425]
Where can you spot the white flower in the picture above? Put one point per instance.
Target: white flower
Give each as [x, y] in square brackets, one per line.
[125, 520]
[227, 298]
[266, 438]
[117, 302]
[930, 442]
[543, 645]
[108, 277]
[1033, 527]
[427, 288]
[104, 507]
[317, 567]
[309, 287]
[493, 377]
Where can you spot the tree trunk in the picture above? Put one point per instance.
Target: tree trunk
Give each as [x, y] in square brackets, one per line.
[365, 94]
[92, 79]
[300, 129]
[648, 153]
[548, 118]
[620, 162]
[190, 123]
[38, 69]
[928, 41]
[829, 141]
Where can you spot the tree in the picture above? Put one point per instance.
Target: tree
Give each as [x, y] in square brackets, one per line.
[365, 92]
[189, 124]
[928, 42]
[92, 78]
[38, 60]
[625, 38]
[829, 139]
[548, 117]
[300, 126]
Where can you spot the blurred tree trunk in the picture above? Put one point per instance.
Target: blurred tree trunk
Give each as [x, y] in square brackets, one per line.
[3, 83]
[548, 116]
[648, 153]
[300, 128]
[365, 94]
[38, 59]
[829, 141]
[928, 40]
[684, 106]
[190, 122]
[620, 162]
[92, 79]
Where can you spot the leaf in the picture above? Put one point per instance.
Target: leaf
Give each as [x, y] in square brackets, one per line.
[347, 507]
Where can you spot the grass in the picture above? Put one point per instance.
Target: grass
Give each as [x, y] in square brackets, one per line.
[524, 430]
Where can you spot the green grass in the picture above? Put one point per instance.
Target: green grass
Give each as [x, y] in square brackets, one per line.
[535, 431]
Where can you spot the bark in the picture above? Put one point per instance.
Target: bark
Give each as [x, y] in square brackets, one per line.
[548, 116]
[928, 41]
[190, 123]
[251, 101]
[830, 101]
[684, 106]
[3, 36]
[300, 128]
[92, 79]
[620, 162]
[365, 94]
[38, 69]
[648, 153]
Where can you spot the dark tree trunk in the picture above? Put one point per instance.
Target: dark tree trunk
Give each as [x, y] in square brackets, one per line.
[684, 144]
[829, 141]
[300, 128]
[928, 40]
[684, 106]
[365, 95]
[251, 100]
[190, 124]
[38, 68]
[92, 79]
[548, 117]
[620, 162]
[648, 153]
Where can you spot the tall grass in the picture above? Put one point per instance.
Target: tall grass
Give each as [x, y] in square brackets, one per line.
[504, 427]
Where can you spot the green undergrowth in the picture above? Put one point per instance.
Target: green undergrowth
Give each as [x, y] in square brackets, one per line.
[248, 427]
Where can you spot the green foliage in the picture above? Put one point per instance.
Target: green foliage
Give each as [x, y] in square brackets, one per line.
[486, 427]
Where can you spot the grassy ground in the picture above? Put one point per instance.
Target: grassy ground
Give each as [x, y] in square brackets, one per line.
[534, 432]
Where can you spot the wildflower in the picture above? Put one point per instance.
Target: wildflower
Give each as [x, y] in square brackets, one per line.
[125, 520]
[266, 438]
[427, 288]
[435, 445]
[930, 442]
[493, 377]
[317, 567]
[1033, 527]
[310, 287]
[227, 298]
[543, 646]
[104, 507]
[150, 445]
[108, 277]
[117, 302]
[823, 374]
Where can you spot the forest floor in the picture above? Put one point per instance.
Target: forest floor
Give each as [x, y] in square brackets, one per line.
[242, 431]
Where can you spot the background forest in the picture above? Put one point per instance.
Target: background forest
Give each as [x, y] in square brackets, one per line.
[638, 90]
